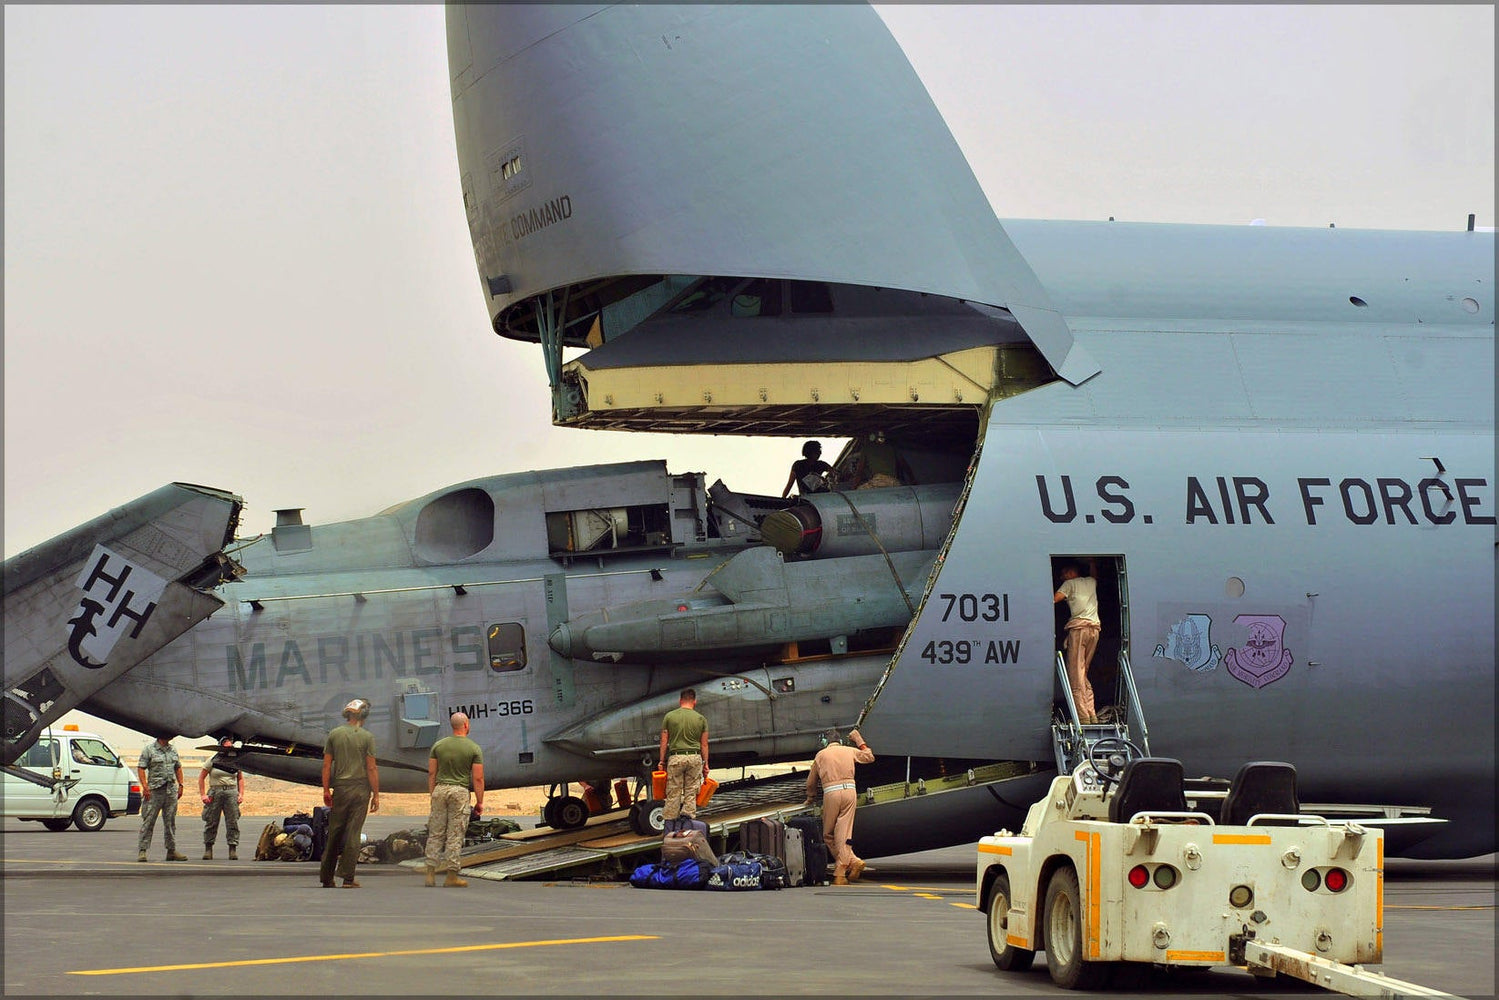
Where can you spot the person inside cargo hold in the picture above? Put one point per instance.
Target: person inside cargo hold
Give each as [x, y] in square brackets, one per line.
[810, 474]
[833, 769]
[875, 463]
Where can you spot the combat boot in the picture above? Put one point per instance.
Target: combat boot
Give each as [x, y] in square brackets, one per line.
[208, 854]
[140, 856]
[431, 874]
[233, 854]
[454, 882]
[174, 856]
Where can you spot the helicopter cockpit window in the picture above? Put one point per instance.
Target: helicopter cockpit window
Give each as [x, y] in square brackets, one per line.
[507, 647]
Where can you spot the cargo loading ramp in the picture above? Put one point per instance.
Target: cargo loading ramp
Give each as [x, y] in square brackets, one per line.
[607, 848]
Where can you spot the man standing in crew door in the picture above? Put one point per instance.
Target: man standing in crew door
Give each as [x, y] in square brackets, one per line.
[684, 757]
[455, 765]
[351, 790]
[1081, 639]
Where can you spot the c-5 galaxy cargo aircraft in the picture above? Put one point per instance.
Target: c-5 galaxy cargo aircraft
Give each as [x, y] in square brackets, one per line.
[1275, 447]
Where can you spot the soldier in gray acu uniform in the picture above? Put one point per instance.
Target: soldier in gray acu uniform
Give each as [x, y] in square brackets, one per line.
[161, 786]
[221, 786]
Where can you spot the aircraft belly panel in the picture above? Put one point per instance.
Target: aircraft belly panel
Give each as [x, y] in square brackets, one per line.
[1278, 586]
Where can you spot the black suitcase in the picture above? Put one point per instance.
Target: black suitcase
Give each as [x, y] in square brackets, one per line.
[319, 831]
[817, 851]
[764, 836]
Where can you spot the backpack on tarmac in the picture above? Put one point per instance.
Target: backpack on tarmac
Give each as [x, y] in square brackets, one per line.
[265, 848]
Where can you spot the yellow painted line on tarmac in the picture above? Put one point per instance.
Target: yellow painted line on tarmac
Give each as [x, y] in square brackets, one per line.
[928, 895]
[366, 954]
[965, 906]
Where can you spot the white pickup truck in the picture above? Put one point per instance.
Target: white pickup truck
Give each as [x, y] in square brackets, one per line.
[1114, 866]
[89, 783]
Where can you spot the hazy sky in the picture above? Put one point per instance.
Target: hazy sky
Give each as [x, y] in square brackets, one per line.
[236, 254]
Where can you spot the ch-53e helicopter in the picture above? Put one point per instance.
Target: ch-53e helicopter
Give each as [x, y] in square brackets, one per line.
[1275, 446]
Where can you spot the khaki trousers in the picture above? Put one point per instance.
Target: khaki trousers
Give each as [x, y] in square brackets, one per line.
[1079, 645]
[838, 827]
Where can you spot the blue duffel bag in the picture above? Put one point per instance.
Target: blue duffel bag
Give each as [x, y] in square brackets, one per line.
[685, 874]
[740, 872]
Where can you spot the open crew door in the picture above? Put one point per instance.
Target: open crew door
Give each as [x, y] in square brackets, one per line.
[84, 608]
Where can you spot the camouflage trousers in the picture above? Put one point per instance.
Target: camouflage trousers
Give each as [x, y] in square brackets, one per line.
[163, 803]
[684, 776]
[446, 823]
[221, 802]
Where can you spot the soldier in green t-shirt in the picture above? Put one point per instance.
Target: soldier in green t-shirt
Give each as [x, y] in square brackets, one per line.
[351, 790]
[684, 757]
[455, 766]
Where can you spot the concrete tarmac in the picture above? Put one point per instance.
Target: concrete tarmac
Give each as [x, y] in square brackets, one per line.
[82, 916]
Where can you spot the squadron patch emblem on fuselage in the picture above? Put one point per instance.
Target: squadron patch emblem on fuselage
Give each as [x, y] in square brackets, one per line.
[1190, 641]
[1263, 659]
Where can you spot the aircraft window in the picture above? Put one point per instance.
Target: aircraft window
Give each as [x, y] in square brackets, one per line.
[40, 755]
[760, 297]
[507, 647]
[810, 297]
[706, 295]
[455, 526]
[94, 752]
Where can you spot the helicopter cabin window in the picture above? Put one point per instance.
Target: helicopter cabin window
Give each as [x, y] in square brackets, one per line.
[507, 647]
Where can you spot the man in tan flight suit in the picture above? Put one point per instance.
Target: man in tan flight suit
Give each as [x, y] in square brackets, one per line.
[833, 769]
[1081, 640]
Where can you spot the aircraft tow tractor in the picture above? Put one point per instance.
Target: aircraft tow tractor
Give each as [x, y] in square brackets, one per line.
[1113, 866]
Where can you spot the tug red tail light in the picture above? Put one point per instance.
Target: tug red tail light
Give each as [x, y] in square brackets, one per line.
[1336, 880]
[1139, 876]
